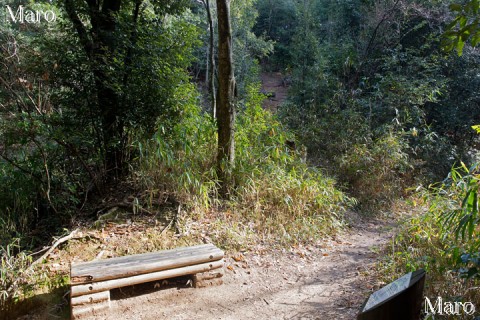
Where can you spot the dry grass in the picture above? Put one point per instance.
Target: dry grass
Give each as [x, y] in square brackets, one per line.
[422, 244]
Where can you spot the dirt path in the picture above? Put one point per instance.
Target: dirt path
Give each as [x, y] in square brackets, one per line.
[273, 84]
[325, 281]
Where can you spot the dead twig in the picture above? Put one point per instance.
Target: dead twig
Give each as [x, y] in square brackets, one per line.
[55, 245]
[99, 255]
[166, 227]
[175, 219]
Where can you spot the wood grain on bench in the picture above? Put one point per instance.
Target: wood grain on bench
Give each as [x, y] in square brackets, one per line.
[127, 266]
[91, 282]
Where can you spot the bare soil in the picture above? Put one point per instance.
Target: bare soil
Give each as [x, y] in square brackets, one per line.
[274, 85]
[328, 280]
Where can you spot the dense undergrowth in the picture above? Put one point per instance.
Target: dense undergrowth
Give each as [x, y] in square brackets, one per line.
[378, 109]
[273, 192]
[274, 199]
[444, 241]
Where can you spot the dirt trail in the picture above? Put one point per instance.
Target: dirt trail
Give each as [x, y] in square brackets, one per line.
[325, 281]
[273, 83]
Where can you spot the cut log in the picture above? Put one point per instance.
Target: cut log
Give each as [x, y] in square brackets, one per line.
[83, 289]
[128, 266]
[207, 276]
[82, 311]
[91, 298]
[207, 279]
[207, 283]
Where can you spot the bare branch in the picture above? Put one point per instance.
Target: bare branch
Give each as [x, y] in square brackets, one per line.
[55, 245]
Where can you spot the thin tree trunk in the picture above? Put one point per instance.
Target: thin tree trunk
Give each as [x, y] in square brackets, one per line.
[210, 75]
[226, 89]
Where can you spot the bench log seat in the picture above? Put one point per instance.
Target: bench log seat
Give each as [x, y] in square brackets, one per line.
[91, 282]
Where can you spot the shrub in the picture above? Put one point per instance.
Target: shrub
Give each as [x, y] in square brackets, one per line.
[274, 184]
[375, 172]
[14, 275]
[180, 162]
[273, 192]
[444, 240]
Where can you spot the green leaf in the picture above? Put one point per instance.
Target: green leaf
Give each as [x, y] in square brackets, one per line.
[455, 7]
[464, 36]
[460, 45]
[472, 7]
[451, 34]
[475, 39]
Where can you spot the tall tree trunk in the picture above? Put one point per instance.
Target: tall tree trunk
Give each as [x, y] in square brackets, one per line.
[211, 60]
[103, 28]
[226, 90]
[99, 45]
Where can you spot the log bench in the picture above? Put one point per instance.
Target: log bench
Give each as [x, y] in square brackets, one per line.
[91, 282]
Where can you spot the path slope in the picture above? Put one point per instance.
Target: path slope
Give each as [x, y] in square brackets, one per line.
[327, 281]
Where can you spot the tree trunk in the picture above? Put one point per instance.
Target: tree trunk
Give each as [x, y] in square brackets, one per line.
[99, 45]
[226, 89]
[211, 61]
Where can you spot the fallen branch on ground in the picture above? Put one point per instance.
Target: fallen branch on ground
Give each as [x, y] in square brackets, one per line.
[56, 244]
[71, 236]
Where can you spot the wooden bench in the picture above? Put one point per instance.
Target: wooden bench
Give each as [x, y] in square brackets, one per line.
[91, 282]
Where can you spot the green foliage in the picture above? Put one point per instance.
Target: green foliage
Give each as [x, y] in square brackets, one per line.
[421, 243]
[376, 83]
[33, 165]
[52, 135]
[456, 204]
[464, 216]
[376, 171]
[418, 245]
[373, 100]
[163, 51]
[17, 198]
[275, 185]
[14, 275]
[180, 161]
[444, 241]
[272, 191]
[248, 48]
[470, 265]
[464, 28]
[296, 24]
[276, 21]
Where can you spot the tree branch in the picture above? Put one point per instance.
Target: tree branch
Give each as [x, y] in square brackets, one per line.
[56, 244]
[21, 169]
[79, 27]
[374, 34]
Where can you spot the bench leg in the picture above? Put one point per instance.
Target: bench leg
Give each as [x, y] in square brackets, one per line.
[89, 304]
[208, 279]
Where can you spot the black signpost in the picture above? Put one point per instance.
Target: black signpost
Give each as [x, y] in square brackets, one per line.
[399, 300]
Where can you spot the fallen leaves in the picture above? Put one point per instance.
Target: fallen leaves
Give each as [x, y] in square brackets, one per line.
[239, 257]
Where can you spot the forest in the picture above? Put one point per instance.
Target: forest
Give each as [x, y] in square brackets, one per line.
[275, 130]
